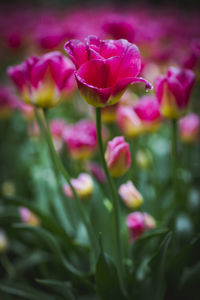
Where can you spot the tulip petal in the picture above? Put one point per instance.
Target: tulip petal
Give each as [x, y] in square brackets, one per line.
[77, 51]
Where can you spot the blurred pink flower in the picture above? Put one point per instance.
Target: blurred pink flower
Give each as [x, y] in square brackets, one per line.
[173, 91]
[148, 110]
[118, 156]
[81, 139]
[43, 81]
[97, 171]
[189, 128]
[138, 223]
[130, 195]
[83, 186]
[128, 121]
[28, 217]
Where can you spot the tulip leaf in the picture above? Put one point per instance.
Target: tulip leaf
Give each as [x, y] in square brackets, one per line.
[23, 292]
[48, 239]
[47, 220]
[106, 278]
[62, 288]
[157, 266]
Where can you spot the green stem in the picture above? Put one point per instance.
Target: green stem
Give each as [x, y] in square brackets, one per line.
[59, 207]
[64, 172]
[114, 195]
[174, 158]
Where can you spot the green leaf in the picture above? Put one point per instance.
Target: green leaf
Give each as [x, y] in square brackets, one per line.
[48, 239]
[62, 288]
[47, 220]
[157, 266]
[23, 292]
[106, 278]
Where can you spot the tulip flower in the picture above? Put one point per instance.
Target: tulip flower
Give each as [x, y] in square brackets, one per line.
[105, 68]
[173, 91]
[138, 223]
[28, 217]
[189, 128]
[128, 121]
[43, 81]
[130, 195]
[83, 186]
[119, 29]
[148, 111]
[118, 156]
[8, 102]
[81, 139]
[97, 171]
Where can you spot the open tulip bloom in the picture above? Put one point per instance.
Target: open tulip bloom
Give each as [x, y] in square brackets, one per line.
[105, 68]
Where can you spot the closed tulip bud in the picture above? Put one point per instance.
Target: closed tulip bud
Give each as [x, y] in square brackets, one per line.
[118, 156]
[148, 111]
[28, 217]
[129, 122]
[138, 223]
[105, 68]
[44, 81]
[83, 186]
[189, 128]
[130, 195]
[173, 91]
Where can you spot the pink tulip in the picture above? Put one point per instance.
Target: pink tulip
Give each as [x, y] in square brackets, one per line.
[8, 102]
[138, 223]
[189, 128]
[105, 68]
[28, 217]
[130, 195]
[97, 171]
[83, 186]
[43, 81]
[128, 121]
[119, 29]
[173, 91]
[118, 156]
[81, 139]
[148, 111]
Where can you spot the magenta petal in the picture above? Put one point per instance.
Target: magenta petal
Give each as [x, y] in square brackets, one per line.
[93, 95]
[131, 59]
[159, 87]
[77, 51]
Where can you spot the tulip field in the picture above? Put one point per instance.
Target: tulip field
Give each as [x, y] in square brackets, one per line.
[100, 153]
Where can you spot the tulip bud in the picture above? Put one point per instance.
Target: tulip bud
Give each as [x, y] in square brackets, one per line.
[189, 128]
[118, 156]
[129, 122]
[130, 195]
[28, 217]
[138, 223]
[83, 186]
[44, 81]
[148, 111]
[173, 91]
